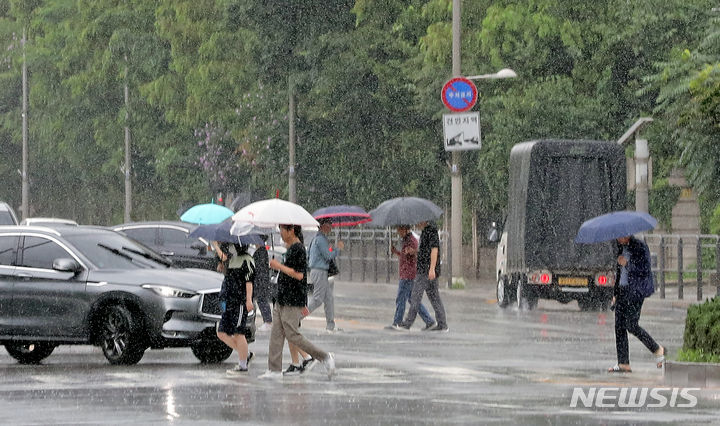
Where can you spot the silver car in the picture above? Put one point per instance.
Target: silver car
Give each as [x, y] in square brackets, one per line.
[89, 285]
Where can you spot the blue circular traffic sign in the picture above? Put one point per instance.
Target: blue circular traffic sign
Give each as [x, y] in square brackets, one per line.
[459, 94]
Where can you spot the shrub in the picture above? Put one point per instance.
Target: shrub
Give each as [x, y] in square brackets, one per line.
[702, 330]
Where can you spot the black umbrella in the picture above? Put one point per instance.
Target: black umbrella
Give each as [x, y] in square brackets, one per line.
[404, 211]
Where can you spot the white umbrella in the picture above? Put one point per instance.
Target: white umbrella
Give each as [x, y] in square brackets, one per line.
[272, 212]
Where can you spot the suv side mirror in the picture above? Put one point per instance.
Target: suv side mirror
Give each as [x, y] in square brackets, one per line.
[199, 246]
[64, 264]
[494, 233]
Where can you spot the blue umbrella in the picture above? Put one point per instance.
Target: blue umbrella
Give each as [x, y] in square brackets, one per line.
[221, 232]
[206, 214]
[614, 225]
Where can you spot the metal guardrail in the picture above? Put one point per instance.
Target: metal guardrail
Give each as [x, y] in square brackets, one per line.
[367, 258]
[367, 255]
[680, 256]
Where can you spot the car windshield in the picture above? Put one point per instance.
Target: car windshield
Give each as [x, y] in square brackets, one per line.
[115, 251]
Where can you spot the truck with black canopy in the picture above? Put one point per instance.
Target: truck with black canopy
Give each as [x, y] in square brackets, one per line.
[554, 186]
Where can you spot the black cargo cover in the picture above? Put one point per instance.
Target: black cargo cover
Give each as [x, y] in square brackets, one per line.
[555, 185]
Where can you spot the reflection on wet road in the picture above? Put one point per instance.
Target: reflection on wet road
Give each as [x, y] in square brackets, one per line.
[493, 366]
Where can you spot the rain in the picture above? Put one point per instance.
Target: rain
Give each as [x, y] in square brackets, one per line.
[403, 190]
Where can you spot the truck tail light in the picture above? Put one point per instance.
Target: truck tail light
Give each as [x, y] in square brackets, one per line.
[605, 279]
[540, 277]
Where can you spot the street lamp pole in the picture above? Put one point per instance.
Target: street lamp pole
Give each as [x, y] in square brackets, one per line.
[456, 269]
[25, 188]
[455, 175]
[292, 195]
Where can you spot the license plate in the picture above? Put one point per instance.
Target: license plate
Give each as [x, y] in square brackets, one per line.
[573, 281]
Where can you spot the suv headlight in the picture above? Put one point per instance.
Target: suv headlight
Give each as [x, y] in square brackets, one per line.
[167, 291]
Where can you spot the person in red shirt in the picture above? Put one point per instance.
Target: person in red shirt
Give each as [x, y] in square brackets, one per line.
[407, 257]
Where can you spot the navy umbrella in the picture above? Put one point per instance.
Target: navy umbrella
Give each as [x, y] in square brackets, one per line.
[343, 215]
[614, 225]
[404, 211]
[221, 232]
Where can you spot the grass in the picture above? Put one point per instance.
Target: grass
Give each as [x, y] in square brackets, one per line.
[697, 355]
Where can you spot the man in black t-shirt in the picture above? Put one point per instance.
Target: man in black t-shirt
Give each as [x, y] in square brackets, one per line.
[291, 301]
[428, 271]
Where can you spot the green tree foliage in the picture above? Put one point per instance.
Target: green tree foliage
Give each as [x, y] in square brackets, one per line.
[209, 79]
[688, 101]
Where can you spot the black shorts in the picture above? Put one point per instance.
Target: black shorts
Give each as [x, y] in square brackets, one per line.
[233, 321]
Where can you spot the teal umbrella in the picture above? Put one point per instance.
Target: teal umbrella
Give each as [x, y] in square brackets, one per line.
[206, 214]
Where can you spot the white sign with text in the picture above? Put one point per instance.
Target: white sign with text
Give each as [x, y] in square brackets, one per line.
[462, 131]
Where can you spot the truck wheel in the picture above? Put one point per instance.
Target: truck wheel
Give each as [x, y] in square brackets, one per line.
[503, 294]
[587, 304]
[526, 300]
[29, 353]
[121, 336]
[605, 303]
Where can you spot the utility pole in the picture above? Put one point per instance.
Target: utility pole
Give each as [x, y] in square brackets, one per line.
[25, 207]
[291, 142]
[128, 165]
[642, 172]
[455, 174]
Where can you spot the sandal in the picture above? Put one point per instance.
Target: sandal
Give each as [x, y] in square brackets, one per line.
[660, 359]
[617, 369]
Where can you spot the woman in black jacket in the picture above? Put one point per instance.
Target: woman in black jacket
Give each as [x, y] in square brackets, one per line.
[633, 282]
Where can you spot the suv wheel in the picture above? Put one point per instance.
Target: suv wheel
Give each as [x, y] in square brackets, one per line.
[29, 353]
[120, 336]
[211, 352]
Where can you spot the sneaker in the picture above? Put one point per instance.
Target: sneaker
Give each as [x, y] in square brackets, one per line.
[309, 364]
[249, 357]
[329, 364]
[401, 327]
[293, 371]
[236, 371]
[430, 326]
[440, 328]
[390, 327]
[266, 326]
[269, 374]
[334, 330]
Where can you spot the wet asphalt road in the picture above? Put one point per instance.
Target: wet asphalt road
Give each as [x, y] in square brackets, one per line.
[494, 366]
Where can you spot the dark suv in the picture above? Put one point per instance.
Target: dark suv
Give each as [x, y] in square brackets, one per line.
[171, 239]
[88, 285]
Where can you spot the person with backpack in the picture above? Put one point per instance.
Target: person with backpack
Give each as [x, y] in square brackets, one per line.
[633, 283]
[321, 253]
[236, 300]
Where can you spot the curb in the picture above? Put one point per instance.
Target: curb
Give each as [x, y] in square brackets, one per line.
[692, 374]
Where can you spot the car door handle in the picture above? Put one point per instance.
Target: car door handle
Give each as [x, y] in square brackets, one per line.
[25, 276]
[167, 253]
